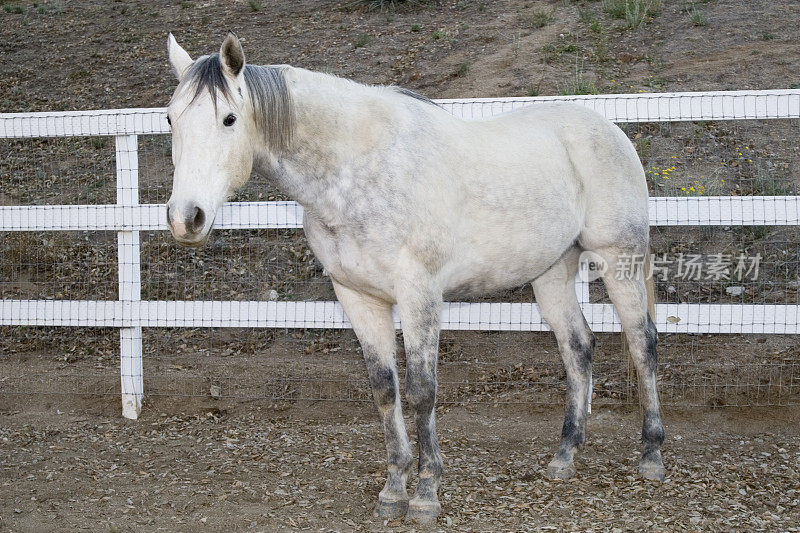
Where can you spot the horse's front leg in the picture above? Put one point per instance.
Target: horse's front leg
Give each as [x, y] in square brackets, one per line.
[420, 314]
[373, 325]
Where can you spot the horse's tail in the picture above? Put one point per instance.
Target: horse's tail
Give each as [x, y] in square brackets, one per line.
[650, 284]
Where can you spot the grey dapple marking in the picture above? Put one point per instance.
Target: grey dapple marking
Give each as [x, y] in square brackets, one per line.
[406, 204]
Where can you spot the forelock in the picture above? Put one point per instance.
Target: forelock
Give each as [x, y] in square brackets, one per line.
[205, 75]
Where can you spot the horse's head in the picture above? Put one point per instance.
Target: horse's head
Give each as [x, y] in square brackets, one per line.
[213, 133]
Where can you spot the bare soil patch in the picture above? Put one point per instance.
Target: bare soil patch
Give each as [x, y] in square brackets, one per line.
[263, 458]
[222, 466]
[96, 54]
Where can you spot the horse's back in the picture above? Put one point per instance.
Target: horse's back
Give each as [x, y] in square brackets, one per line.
[606, 166]
[572, 147]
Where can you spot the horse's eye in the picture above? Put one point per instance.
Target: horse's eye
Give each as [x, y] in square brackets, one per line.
[229, 120]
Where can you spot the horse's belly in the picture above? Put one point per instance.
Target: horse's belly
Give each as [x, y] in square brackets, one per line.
[489, 263]
[487, 274]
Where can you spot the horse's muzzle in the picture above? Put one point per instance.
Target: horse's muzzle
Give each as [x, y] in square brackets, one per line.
[188, 231]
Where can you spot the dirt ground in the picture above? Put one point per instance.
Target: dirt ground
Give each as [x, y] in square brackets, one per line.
[92, 54]
[69, 462]
[199, 465]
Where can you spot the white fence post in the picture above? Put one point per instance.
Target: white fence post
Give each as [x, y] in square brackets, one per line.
[130, 287]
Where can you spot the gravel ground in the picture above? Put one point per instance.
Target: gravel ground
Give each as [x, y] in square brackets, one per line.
[203, 465]
[70, 463]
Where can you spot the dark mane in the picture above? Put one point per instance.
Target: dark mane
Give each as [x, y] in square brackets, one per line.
[271, 101]
[205, 75]
[415, 95]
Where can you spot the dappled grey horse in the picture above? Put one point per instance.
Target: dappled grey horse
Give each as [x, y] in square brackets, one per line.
[406, 204]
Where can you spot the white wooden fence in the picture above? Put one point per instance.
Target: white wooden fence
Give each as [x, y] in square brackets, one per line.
[128, 218]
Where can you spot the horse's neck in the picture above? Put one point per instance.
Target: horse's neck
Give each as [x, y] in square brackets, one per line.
[335, 119]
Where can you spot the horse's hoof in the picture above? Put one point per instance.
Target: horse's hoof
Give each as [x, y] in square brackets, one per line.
[560, 470]
[423, 512]
[391, 510]
[652, 471]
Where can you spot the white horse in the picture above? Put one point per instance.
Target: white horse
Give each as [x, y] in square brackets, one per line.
[407, 205]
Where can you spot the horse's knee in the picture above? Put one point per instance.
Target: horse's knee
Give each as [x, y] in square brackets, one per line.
[421, 389]
[384, 386]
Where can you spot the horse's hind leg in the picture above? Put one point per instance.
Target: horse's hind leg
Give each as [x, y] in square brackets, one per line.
[420, 310]
[374, 327]
[555, 294]
[628, 292]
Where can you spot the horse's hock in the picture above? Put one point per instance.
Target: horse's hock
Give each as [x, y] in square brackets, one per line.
[92, 288]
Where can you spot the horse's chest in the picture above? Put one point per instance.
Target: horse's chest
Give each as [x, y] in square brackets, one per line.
[350, 259]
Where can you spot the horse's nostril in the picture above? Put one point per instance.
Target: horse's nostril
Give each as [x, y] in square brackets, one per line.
[186, 222]
[199, 219]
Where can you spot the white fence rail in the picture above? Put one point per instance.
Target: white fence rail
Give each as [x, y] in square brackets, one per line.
[128, 218]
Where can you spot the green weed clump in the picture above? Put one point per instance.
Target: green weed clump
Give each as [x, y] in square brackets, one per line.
[633, 12]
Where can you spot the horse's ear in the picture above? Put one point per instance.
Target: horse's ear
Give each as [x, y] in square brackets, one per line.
[232, 54]
[178, 57]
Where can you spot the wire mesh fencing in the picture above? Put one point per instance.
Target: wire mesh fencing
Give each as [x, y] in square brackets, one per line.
[252, 315]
